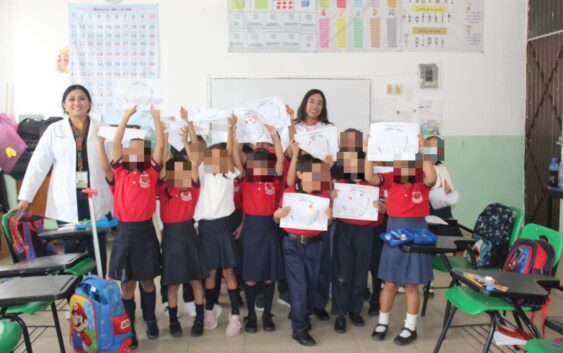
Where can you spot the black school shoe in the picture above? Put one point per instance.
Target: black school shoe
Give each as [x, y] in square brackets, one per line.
[304, 338]
[152, 329]
[357, 320]
[340, 324]
[403, 341]
[379, 336]
[267, 323]
[176, 329]
[134, 341]
[308, 319]
[251, 324]
[197, 328]
[373, 309]
[321, 314]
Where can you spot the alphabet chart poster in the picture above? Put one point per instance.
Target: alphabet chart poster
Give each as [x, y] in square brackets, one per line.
[272, 25]
[110, 43]
[443, 25]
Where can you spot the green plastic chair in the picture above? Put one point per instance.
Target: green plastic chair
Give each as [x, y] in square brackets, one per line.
[10, 335]
[543, 346]
[473, 303]
[461, 263]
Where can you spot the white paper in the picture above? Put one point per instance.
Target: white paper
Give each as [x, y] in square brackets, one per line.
[108, 133]
[439, 198]
[250, 127]
[355, 202]
[306, 212]
[390, 141]
[382, 169]
[198, 114]
[319, 143]
[504, 340]
[219, 133]
[140, 93]
[435, 220]
[273, 111]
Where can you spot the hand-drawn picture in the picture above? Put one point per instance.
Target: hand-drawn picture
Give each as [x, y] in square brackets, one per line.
[393, 141]
[355, 202]
[319, 143]
[273, 111]
[250, 127]
[200, 114]
[307, 212]
[108, 133]
[140, 93]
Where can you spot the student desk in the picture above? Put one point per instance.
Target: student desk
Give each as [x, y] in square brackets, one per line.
[41, 265]
[66, 234]
[22, 290]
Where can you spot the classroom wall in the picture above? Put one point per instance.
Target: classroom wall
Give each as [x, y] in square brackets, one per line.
[484, 93]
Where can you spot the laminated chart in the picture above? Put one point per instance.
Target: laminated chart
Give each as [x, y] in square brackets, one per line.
[272, 25]
[109, 43]
[358, 25]
[443, 25]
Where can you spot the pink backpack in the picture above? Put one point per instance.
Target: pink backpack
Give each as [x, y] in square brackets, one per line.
[11, 144]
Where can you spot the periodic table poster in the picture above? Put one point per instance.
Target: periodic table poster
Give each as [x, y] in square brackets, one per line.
[356, 25]
[110, 43]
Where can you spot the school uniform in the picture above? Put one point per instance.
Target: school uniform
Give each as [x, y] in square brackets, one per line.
[135, 253]
[407, 207]
[183, 258]
[302, 251]
[377, 227]
[351, 260]
[213, 213]
[262, 255]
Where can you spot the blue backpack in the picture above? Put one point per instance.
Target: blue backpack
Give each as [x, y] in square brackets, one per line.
[98, 322]
[492, 235]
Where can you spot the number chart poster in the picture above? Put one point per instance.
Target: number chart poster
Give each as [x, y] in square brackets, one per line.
[272, 25]
[110, 43]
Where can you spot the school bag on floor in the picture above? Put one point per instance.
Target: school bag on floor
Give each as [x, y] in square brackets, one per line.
[98, 321]
[492, 234]
[24, 228]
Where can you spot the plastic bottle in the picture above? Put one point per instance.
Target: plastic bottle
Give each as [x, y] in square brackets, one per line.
[554, 173]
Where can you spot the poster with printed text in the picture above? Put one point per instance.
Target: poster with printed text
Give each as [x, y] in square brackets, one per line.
[110, 43]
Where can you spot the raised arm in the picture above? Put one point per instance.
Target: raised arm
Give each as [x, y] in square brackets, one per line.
[371, 177]
[165, 153]
[117, 151]
[191, 129]
[291, 172]
[291, 128]
[159, 132]
[106, 167]
[230, 140]
[427, 166]
[280, 157]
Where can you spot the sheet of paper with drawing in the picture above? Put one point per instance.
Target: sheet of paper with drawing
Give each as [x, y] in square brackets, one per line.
[272, 109]
[250, 127]
[108, 133]
[389, 141]
[306, 212]
[200, 114]
[319, 143]
[355, 202]
[140, 93]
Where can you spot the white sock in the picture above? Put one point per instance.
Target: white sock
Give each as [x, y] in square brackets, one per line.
[410, 323]
[383, 320]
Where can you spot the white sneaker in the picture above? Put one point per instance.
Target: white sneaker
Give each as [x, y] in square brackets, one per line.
[210, 317]
[401, 290]
[233, 328]
[189, 308]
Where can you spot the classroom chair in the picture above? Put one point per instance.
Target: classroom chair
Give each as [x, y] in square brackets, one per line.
[472, 303]
[10, 335]
[460, 262]
[547, 345]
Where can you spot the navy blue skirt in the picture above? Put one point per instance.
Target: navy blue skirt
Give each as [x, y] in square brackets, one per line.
[183, 258]
[261, 249]
[135, 253]
[216, 236]
[403, 267]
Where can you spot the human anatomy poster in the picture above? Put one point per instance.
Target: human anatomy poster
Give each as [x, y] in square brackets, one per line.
[355, 202]
[306, 211]
[110, 43]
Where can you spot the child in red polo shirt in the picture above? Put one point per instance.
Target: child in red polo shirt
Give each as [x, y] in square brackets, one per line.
[135, 255]
[182, 253]
[407, 207]
[261, 250]
[302, 248]
[352, 238]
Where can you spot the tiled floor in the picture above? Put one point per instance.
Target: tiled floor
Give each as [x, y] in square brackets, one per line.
[354, 340]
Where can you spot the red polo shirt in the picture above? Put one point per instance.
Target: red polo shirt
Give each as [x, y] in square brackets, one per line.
[179, 204]
[407, 200]
[260, 198]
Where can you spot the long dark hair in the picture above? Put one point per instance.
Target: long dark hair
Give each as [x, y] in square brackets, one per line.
[302, 115]
[72, 88]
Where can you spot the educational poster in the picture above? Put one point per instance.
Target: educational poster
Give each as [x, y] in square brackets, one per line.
[109, 43]
[306, 211]
[429, 113]
[358, 25]
[272, 25]
[355, 202]
[443, 25]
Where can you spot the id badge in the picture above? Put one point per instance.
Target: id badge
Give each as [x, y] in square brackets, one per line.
[81, 180]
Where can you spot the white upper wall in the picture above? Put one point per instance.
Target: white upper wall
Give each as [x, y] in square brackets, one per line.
[484, 92]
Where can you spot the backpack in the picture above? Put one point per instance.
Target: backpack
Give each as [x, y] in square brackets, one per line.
[492, 235]
[12, 146]
[26, 245]
[98, 322]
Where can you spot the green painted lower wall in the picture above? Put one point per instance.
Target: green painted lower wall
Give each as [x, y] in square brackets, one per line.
[485, 169]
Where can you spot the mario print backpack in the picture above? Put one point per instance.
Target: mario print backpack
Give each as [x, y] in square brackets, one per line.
[98, 322]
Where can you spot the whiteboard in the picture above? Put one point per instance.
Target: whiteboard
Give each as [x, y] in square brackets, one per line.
[348, 99]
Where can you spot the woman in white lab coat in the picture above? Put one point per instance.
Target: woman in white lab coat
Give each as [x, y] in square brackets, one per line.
[70, 147]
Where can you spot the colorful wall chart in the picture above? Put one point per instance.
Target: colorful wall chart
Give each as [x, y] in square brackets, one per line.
[272, 25]
[109, 43]
[355, 25]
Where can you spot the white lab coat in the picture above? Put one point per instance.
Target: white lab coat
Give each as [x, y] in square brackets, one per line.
[57, 148]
